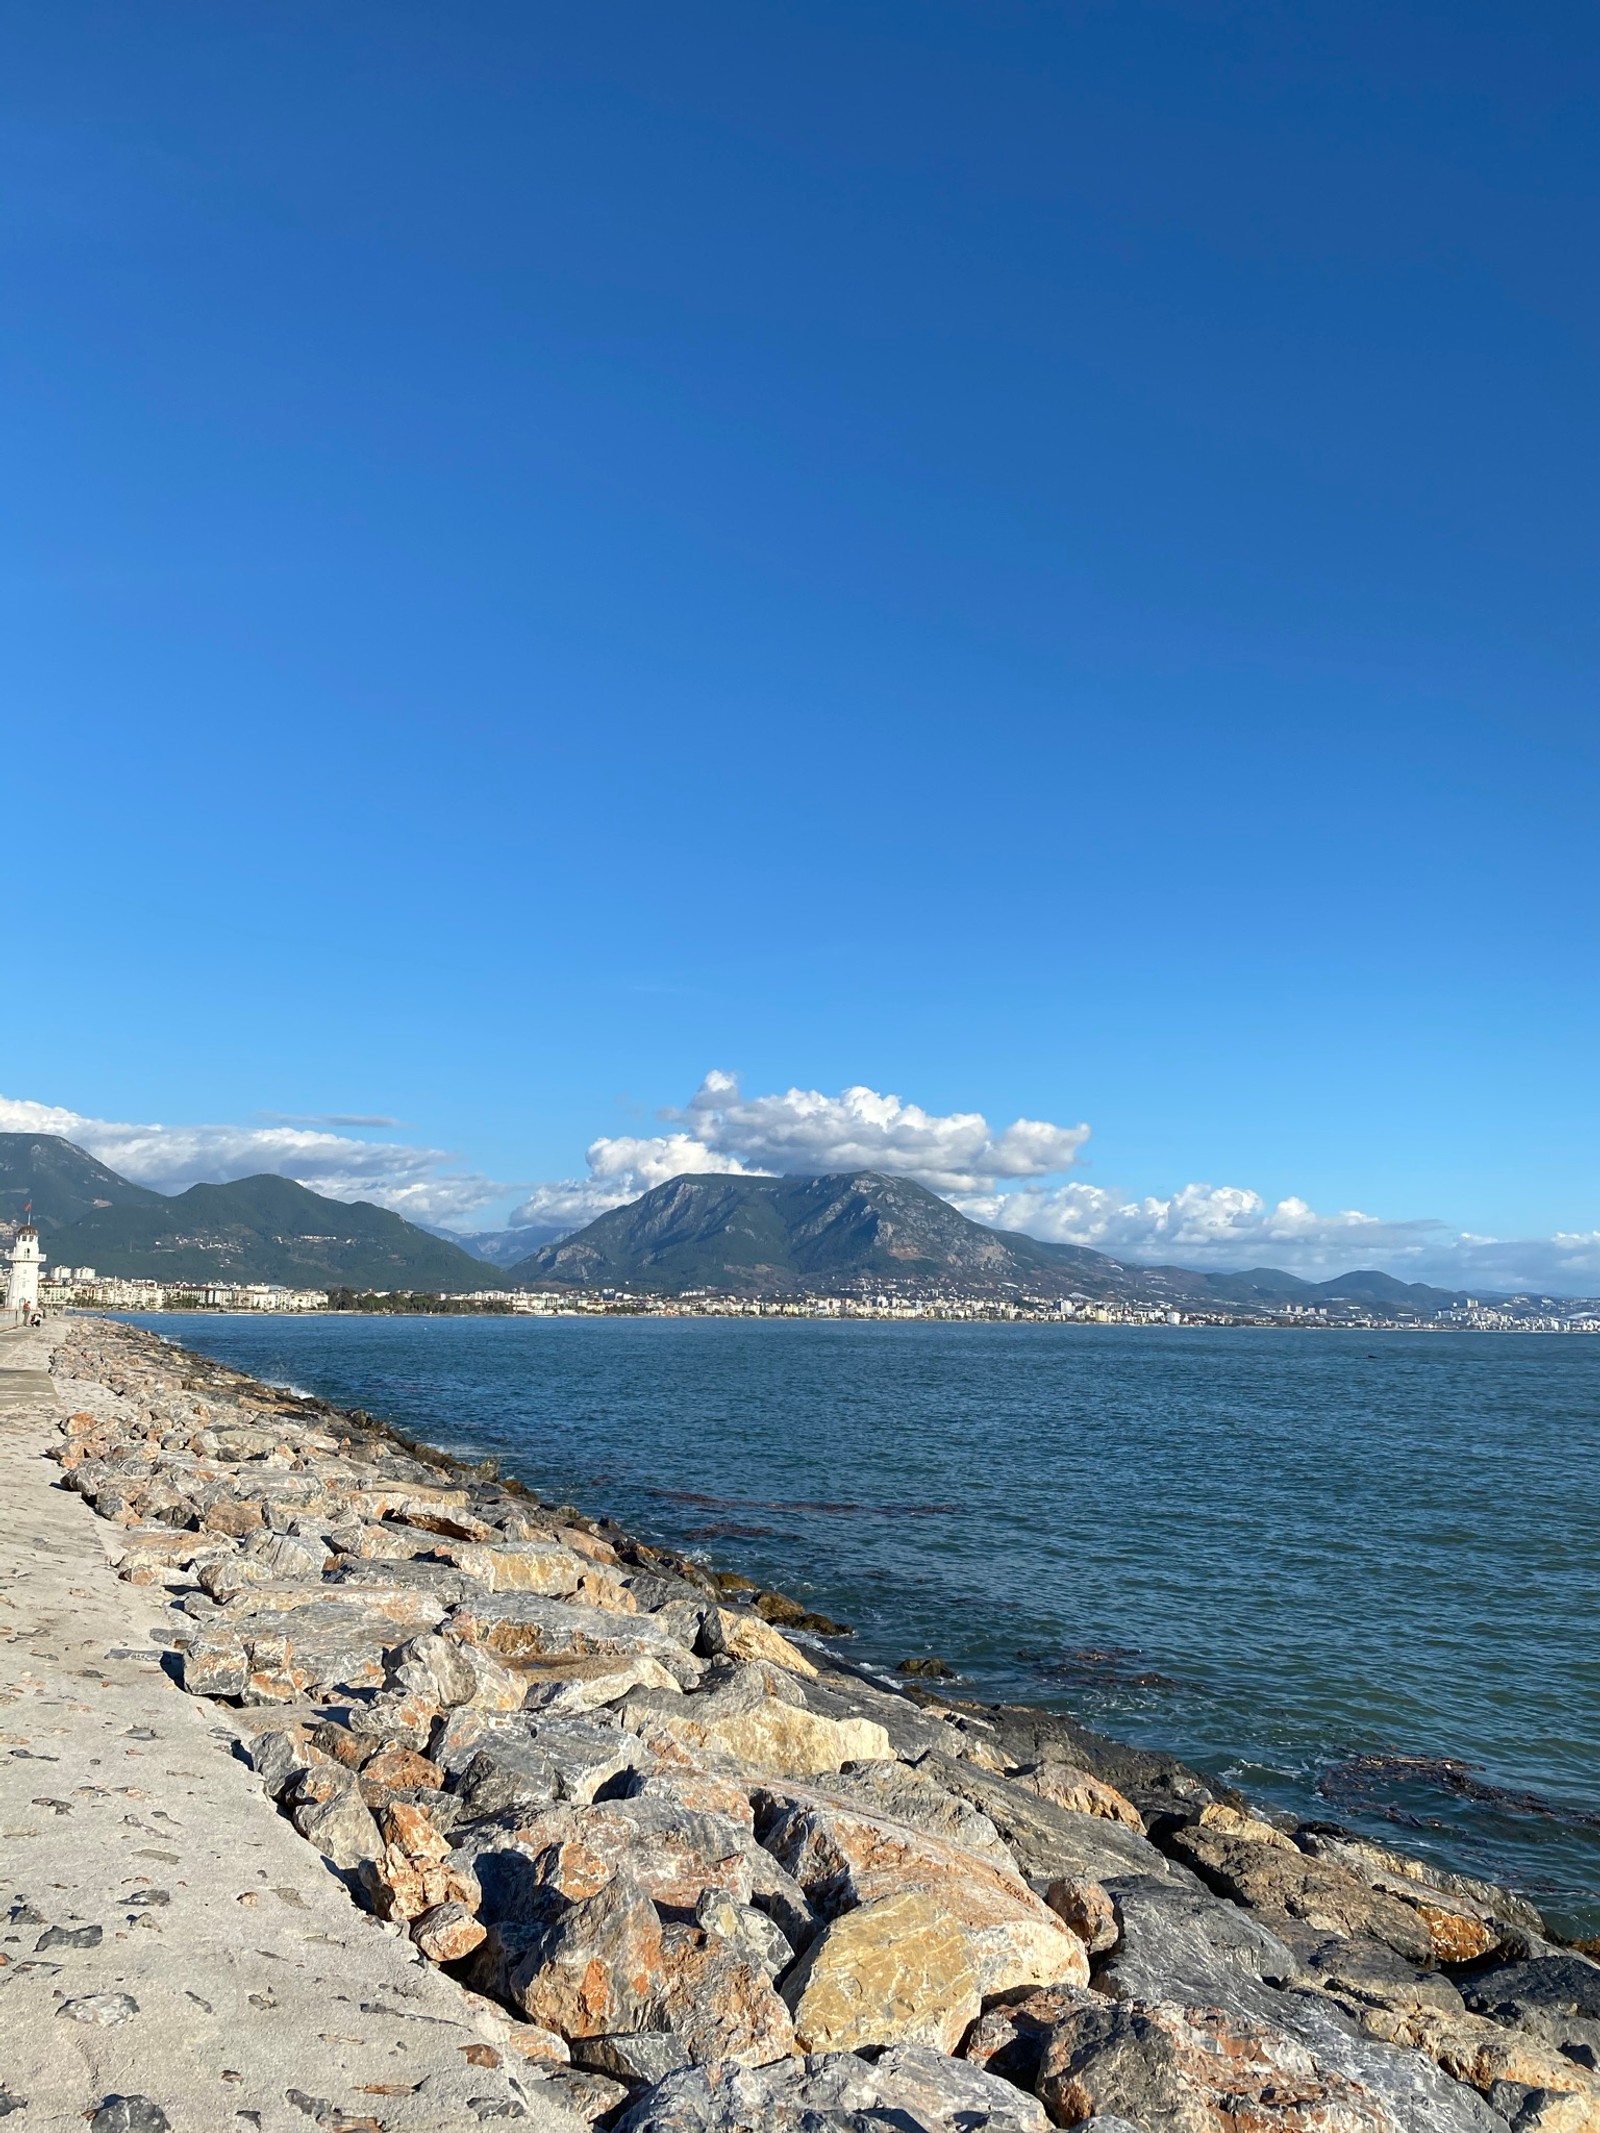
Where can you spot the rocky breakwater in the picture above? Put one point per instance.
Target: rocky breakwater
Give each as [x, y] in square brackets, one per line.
[714, 1879]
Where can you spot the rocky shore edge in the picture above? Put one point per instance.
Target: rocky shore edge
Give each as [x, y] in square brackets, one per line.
[704, 1877]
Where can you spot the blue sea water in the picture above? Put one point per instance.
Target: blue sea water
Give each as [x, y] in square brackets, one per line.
[1356, 1574]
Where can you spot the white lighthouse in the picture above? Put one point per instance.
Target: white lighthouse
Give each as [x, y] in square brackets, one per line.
[22, 1283]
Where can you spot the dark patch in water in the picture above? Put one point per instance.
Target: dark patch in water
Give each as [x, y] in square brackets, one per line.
[763, 1503]
[728, 1533]
[1094, 1666]
[1360, 1779]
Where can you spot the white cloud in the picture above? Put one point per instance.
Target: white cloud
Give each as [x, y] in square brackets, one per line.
[1217, 1226]
[169, 1158]
[803, 1131]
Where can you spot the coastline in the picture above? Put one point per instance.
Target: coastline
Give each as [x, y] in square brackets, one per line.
[576, 1704]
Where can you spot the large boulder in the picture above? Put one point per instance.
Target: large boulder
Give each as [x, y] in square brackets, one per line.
[896, 1970]
[1047, 1840]
[753, 1720]
[908, 2087]
[842, 1859]
[1174, 2069]
[594, 1972]
[1326, 1896]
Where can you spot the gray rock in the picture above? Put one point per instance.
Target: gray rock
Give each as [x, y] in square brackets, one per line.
[1553, 1997]
[1046, 1840]
[129, 2114]
[1331, 1897]
[1179, 1944]
[642, 2058]
[749, 1929]
[911, 2088]
[913, 1796]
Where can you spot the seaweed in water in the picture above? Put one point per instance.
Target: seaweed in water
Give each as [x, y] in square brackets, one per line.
[1091, 1665]
[1361, 1779]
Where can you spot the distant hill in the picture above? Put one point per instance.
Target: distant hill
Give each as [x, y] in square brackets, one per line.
[255, 1229]
[785, 1236]
[62, 1180]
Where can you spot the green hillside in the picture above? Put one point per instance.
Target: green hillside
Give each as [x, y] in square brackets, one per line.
[265, 1229]
[788, 1236]
[783, 1236]
[63, 1182]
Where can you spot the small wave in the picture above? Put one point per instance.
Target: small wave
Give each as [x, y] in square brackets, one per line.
[840, 1510]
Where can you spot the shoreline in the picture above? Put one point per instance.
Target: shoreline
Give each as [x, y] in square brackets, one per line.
[558, 1699]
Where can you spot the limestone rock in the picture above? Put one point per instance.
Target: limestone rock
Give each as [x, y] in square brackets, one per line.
[1086, 1909]
[1194, 2070]
[674, 1853]
[895, 1970]
[1218, 1815]
[905, 1794]
[843, 1859]
[747, 1721]
[1009, 2039]
[745, 1928]
[908, 2087]
[446, 1932]
[746, 1636]
[1067, 1786]
[1047, 1840]
[718, 2001]
[1324, 1895]
[594, 1972]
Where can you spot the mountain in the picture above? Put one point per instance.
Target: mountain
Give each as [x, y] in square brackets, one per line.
[858, 1230]
[255, 1229]
[499, 1247]
[62, 1180]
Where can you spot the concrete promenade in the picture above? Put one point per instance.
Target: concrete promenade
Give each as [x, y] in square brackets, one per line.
[172, 1954]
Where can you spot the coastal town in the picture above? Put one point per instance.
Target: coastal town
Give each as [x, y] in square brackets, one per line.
[82, 1288]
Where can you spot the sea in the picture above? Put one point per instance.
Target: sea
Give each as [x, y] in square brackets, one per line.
[1356, 1574]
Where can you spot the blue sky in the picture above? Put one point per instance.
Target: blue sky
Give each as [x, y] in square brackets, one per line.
[1035, 558]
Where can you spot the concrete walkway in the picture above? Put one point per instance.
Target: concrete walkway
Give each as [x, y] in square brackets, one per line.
[165, 1938]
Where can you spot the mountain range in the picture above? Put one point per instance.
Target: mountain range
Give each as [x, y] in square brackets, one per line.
[253, 1229]
[860, 1229]
[754, 1236]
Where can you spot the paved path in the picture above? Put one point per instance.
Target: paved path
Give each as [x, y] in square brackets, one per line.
[164, 1934]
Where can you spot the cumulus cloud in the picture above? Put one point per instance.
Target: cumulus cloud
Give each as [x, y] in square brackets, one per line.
[1217, 1226]
[395, 1174]
[806, 1132]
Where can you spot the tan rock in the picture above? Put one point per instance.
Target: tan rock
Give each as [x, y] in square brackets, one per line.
[772, 1735]
[1480, 2052]
[748, 1637]
[894, 1971]
[393, 1769]
[518, 1566]
[446, 1932]
[1456, 1937]
[1085, 1909]
[538, 2046]
[1216, 1814]
[236, 1516]
[588, 1684]
[1194, 2070]
[1324, 1895]
[674, 1853]
[412, 1829]
[842, 1858]
[702, 1790]
[1084, 1794]
[403, 1885]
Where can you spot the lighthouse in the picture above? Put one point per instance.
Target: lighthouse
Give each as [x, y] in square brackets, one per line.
[22, 1283]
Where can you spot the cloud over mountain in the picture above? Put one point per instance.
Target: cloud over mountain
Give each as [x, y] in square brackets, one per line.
[168, 1158]
[802, 1130]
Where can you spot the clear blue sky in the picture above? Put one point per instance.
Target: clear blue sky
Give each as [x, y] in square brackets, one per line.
[1039, 557]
